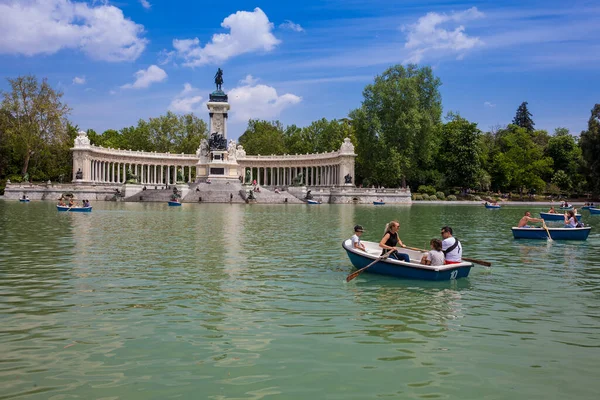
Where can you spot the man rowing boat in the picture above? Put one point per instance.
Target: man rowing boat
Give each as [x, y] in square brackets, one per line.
[524, 222]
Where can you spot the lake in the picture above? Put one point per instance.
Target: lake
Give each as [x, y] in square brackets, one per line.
[221, 301]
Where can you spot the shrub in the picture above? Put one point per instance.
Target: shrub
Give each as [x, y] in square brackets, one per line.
[417, 197]
[433, 197]
[430, 190]
[425, 196]
[451, 198]
[440, 195]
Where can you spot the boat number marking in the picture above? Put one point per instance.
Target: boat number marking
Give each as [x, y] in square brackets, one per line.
[453, 274]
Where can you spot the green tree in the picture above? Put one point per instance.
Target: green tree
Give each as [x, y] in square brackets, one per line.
[34, 116]
[459, 152]
[590, 147]
[523, 118]
[561, 180]
[565, 152]
[263, 137]
[398, 124]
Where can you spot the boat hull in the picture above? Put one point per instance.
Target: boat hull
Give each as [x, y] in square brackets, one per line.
[74, 209]
[404, 270]
[378, 203]
[585, 207]
[594, 210]
[555, 233]
[312, 202]
[24, 200]
[555, 217]
[491, 207]
[174, 203]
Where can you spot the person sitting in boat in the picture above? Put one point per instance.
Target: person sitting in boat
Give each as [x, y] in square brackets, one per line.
[356, 244]
[390, 240]
[61, 202]
[552, 210]
[86, 203]
[435, 256]
[451, 247]
[570, 219]
[526, 219]
[71, 202]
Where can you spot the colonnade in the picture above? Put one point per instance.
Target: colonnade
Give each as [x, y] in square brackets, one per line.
[325, 175]
[154, 174]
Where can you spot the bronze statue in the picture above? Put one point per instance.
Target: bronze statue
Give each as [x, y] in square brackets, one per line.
[348, 178]
[79, 174]
[219, 78]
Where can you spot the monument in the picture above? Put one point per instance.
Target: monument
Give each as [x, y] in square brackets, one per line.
[217, 157]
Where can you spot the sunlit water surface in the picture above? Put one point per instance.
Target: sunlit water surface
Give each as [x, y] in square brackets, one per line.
[143, 301]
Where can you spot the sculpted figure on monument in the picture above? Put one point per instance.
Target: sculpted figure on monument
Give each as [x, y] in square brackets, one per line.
[240, 152]
[219, 78]
[231, 149]
[217, 142]
[79, 174]
[203, 149]
[348, 178]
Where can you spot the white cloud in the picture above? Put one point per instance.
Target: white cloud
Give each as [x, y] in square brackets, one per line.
[187, 101]
[249, 80]
[258, 101]
[249, 32]
[146, 77]
[287, 24]
[79, 80]
[427, 35]
[146, 4]
[47, 26]
[488, 104]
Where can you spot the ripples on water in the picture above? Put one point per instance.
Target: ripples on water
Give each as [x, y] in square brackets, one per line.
[249, 302]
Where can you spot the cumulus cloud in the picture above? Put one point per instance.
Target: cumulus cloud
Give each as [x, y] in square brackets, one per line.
[488, 104]
[145, 77]
[46, 26]
[258, 101]
[79, 80]
[249, 32]
[427, 34]
[187, 101]
[249, 80]
[146, 4]
[287, 24]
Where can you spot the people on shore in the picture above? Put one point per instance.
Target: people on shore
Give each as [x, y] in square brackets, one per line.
[526, 219]
[570, 219]
[356, 244]
[390, 240]
[451, 247]
[435, 256]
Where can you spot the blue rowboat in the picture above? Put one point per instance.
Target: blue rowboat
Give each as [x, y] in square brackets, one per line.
[313, 202]
[403, 269]
[555, 233]
[492, 207]
[585, 207]
[555, 216]
[174, 203]
[593, 210]
[24, 200]
[74, 209]
[378, 203]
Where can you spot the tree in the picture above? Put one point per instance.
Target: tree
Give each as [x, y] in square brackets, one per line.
[590, 147]
[561, 180]
[523, 118]
[565, 152]
[34, 116]
[459, 152]
[398, 124]
[263, 137]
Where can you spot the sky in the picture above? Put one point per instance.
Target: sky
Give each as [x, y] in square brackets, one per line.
[297, 62]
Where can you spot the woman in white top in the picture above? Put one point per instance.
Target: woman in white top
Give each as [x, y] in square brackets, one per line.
[570, 219]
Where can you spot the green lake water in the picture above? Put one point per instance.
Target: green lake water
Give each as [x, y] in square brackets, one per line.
[220, 301]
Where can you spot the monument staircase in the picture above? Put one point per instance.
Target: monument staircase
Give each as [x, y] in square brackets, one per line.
[150, 194]
[218, 191]
[269, 196]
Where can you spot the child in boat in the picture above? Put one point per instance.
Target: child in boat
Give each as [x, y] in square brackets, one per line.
[570, 219]
[435, 256]
[356, 244]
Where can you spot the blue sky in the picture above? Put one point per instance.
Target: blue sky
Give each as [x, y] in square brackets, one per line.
[119, 61]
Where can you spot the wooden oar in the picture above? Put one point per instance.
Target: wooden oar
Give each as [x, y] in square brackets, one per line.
[473, 260]
[547, 231]
[360, 271]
